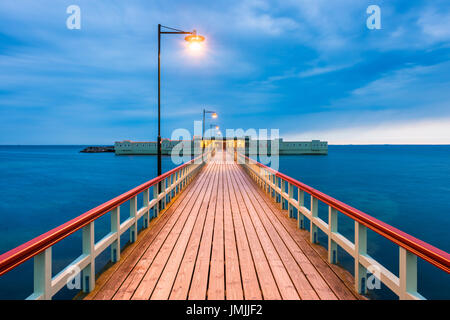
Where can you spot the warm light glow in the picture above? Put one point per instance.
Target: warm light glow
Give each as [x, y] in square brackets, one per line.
[214, 115]
[195, 46]
[217, 127]
[195, 42]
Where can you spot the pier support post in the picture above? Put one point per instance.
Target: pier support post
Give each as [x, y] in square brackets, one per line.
[360, 249]
[301, 203]
[314, 213]
[88, 273]
[332, 228]
[115, 228]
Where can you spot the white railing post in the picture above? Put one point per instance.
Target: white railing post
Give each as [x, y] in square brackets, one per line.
[291, 196]
[182, 179]
[407, 274]
[266, 184]
[281, 186]
[170, 184]
[147, 212]
[332, 228]
[168, 193]
[155, 196]
[165, 193]
[88, 249]
[301, 203]
[43, 275]
[360, 249]
[133, 210]
[314, 213]
[115, 228]
[272, 192]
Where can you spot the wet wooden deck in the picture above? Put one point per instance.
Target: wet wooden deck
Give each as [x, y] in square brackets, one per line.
[223, 238]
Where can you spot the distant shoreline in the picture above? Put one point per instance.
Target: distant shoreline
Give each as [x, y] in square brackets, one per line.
[90, 145]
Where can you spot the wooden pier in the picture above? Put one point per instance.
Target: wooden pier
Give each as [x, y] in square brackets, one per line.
[223, 226]
[223, 238]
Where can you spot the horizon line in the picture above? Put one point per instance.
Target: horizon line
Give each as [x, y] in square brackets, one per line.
[329, 144]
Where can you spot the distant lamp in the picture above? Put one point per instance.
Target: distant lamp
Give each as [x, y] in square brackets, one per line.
[214, 115]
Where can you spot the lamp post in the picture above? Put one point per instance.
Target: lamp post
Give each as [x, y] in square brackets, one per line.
[215, 127]
[192, 38]
[214, 116]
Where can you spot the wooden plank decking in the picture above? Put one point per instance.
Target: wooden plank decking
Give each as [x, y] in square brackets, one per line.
[223, 238]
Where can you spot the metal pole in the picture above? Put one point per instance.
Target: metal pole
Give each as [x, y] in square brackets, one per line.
[159, 106]
[159, 99]
[203, 133]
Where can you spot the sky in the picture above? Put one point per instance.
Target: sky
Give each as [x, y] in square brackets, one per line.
[310, 68]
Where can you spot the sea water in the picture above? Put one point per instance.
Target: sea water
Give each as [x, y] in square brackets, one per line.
[405, 186]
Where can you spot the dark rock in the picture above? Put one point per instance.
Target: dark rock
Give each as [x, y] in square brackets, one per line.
[98, 149]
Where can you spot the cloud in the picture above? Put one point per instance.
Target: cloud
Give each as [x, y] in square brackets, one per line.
[257, 15]
[435, 25]
[429, 131]
[265, 62]
[291, 74]
[411, 87]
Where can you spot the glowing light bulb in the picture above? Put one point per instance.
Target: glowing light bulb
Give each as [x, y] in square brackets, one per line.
[195, 46]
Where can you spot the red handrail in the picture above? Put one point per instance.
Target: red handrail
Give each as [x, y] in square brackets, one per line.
[429, 253]
[11, 259]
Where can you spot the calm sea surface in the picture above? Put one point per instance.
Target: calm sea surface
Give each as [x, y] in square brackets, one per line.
[405, 186]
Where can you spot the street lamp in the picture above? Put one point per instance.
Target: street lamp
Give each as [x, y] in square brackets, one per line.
[215, 127]
[194, 41]
[214, 116]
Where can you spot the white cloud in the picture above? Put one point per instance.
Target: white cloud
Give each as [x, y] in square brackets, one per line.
[435, 25]
[411, 87]
[430, 131]
[291, 74]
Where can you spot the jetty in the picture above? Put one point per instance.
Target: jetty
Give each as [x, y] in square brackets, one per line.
[224, 226]
[246, 145]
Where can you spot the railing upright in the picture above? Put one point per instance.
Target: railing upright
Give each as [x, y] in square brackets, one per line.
[146, 201]
[115, 230]
[332, 230]
[88, 273]
[301, 205]
[360, 249]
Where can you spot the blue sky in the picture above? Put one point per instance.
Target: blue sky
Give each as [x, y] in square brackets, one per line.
[310, 68]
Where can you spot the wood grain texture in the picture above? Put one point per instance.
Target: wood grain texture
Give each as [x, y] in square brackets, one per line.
[221, 238]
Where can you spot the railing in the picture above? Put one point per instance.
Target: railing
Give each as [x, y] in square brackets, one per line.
[281, 187]
[165, 187]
